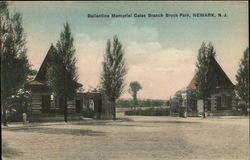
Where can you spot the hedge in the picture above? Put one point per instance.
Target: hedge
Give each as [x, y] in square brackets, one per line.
[149, 112]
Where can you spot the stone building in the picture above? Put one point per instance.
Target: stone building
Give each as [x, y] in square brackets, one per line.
[221, 102]
[47, 106]
[223, 96]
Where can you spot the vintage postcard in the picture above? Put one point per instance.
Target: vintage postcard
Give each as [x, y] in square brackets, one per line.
[126, 80]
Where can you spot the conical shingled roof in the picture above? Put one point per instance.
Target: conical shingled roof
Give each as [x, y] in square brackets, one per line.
[43, 71]
[222, 79]
[192, 84]
[42, 75]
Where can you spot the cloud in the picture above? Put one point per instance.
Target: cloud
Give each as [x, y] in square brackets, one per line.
[89, 54]
[154, 54]
[157, 83]
[161, 71]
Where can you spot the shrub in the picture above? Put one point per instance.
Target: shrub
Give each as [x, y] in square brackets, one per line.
[17, 105]
[14, 112]
[142, 103]
[88, 112]
[149, 112]
[15, 117]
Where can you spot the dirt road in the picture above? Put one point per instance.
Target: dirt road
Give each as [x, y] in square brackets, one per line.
[133, 138]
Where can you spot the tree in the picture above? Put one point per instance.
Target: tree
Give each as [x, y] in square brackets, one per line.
[178, 96]
[205, 82]
[191, 100]
[15, 67]
[242, 78]
[63, 76]
[113, 74]
[19, 105]
[134, 88]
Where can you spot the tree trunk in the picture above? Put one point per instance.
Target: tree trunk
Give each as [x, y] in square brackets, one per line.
[204, 108]
[65, 110]
[245, 110]
[4, 115]
[114, 110]
[135, 100]
[3, 105]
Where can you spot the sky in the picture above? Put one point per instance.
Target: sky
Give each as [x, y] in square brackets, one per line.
[160, 52]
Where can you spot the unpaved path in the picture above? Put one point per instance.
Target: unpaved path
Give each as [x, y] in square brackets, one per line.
[130, 138]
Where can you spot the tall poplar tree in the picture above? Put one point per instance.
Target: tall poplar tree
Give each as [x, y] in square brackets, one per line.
[114, 71]
[63, 76]
[205, 82]
[15, 67]
[242, 78]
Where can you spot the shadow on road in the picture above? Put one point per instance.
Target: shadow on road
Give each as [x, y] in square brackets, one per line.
[125, 119]
[111, 123]
[9, 152]
[174, 122]
[74, 132]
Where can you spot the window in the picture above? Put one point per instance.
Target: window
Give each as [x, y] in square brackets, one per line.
[224, 101]
[218, 101]
[229, 101]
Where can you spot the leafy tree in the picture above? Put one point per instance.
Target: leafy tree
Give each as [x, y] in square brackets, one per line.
[191, 100]
[63, 77]
[242, 78]
[114, 71]
[202, 70]
[15, 67]
[178, 98]
[32, 74]
[134, 88]
[205, 83]
[19, 105]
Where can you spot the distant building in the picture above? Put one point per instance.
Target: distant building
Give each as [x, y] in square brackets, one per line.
[46, 104]
[223, 97]
[220, 102]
